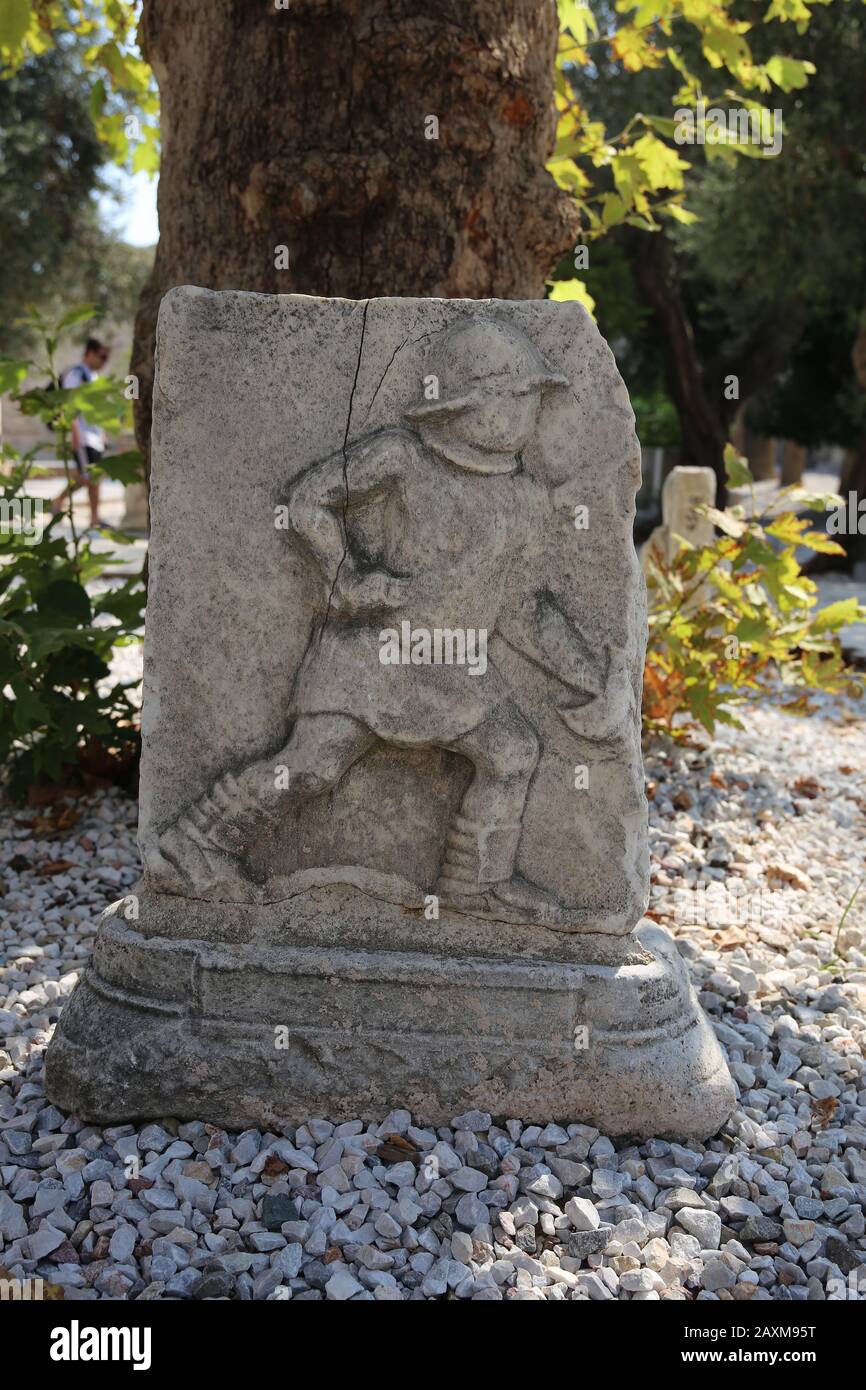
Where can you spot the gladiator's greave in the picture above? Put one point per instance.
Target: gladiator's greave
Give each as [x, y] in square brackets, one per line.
[477, 856]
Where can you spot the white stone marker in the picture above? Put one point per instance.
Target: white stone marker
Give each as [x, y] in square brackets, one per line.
[685, 489]
[392, 807]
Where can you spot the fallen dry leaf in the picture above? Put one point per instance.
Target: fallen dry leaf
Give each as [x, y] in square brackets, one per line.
[53, 823]
[824, 1110]
[729, 937]
[789, 873]
[395, 1149]
[56, 866]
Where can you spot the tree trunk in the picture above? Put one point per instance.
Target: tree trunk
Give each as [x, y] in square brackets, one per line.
[309, 128]
[853, 481]
[853, 478]
[702, 428]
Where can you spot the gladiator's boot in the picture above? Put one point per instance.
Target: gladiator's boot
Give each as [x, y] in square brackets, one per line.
[203, 852]
[477, 876]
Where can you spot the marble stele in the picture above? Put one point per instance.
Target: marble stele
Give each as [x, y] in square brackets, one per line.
[392, 811]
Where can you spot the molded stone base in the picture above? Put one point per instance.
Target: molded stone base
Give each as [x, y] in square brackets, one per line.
[299, 1010]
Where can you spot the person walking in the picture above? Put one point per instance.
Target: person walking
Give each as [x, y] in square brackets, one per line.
[88, 440]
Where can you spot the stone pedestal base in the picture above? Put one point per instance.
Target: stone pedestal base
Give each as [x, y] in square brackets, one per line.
[300, 1009]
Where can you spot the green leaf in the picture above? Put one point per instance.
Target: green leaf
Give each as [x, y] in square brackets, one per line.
[97, 99]
[613, 209]
[12, 373]
[751, 629]
[101, 401]
[663, 124]
[812, 501]
[28, 711]
[48, 641]
[125, 603]
[567, 174]
[79, 315]
[123, 468]
[65, 603]
[737, 469]
[724, 46]
[702, 706]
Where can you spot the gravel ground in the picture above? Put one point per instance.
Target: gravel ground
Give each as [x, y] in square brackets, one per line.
[757, 845]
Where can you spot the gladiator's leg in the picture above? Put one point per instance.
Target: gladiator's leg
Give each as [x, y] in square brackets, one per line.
[205, 846]
[483, 838]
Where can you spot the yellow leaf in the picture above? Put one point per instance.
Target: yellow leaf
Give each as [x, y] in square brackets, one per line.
[14, 23]
[627, 175]
[787, 528]
[661, 164]
[837, 615]
[570, 291]
[145, 157]
[724, 46]
[820, 542]
[568, 50]
[789, 73]
[631, 47]
[567, 174]
[784, 10]
[578, 17]
[681, 214]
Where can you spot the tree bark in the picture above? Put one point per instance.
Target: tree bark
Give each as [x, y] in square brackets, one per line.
[702, 426]
[307, 128]
[853, 478]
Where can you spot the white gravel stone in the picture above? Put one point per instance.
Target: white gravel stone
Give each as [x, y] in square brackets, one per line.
[43, 1241]
[12, 1223]
[122, 1243]
[342, 1285]
[705, 1226]
[468, 1180]
[582, 1214]
[785, 992]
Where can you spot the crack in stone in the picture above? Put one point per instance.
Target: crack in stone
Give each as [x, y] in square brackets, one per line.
[346, 472]
[397, 349]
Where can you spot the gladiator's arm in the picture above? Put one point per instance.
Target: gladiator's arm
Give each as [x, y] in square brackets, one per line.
[321, 496]
[542, 633]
